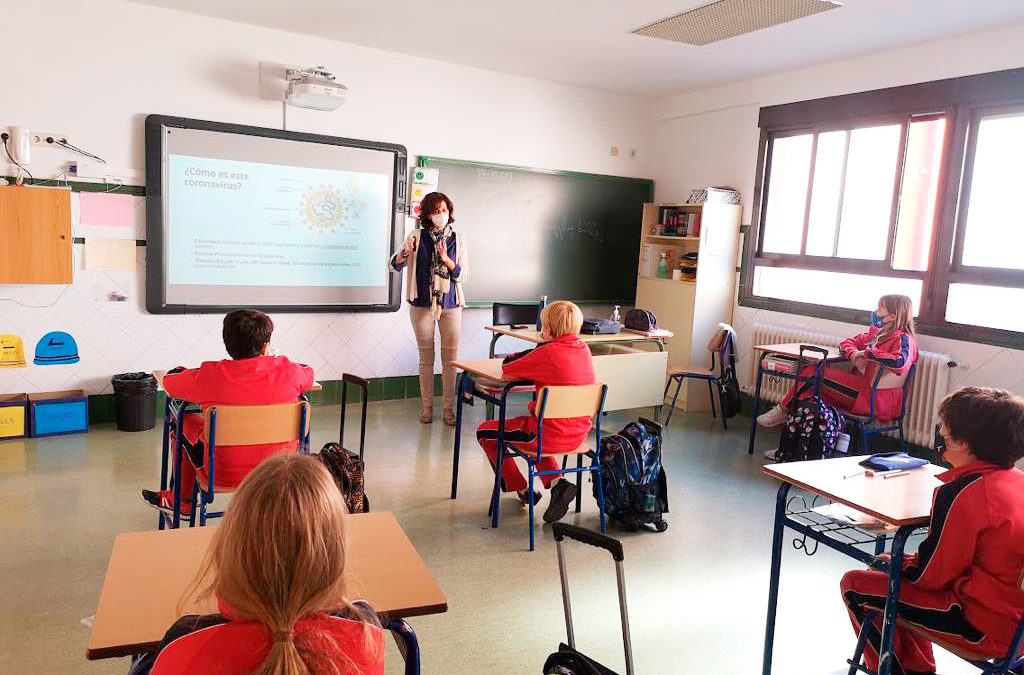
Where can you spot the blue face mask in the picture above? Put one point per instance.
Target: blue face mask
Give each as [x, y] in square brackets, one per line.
[877, 321]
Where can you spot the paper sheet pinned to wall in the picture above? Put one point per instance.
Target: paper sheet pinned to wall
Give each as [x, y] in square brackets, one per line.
[109, 254]
[107, 215]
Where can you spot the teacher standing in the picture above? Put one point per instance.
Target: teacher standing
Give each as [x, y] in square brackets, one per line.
[435, 258]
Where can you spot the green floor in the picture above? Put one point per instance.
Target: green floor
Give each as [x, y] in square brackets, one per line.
[697, 592]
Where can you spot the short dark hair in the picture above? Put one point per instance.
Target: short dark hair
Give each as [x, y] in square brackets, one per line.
[245, 333]
[989, 420]
[430, 204]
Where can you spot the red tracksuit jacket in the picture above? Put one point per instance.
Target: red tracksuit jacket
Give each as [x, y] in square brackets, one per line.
[262, 380]
[562, 361]
[897, 352]
[975, 546]
[226, 644]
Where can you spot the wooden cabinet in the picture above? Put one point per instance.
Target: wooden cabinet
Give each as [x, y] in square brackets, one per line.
[35, 235]
[690, 308]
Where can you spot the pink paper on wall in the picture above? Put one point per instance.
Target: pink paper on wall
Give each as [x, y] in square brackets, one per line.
[107, 210]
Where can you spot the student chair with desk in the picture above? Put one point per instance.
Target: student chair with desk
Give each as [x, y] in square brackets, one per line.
[510, 314]
[234, 425]
[866, 425]
[585, 400]
[722, 345]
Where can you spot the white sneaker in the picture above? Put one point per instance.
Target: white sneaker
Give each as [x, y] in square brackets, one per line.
[771, 455]
[773, 418]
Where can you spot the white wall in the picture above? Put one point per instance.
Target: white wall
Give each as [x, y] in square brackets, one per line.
[94, 70]
[710, 137]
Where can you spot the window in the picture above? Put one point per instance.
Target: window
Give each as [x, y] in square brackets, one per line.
[910, 190]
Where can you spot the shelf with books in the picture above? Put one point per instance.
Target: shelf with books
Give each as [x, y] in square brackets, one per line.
[670, 237]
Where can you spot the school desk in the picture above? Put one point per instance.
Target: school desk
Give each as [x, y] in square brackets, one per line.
[791, 350]
[148, 572]
[902, 502]
[635, 380]
[622, 337]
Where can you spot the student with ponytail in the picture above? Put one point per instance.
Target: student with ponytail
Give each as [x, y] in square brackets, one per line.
[276, 567]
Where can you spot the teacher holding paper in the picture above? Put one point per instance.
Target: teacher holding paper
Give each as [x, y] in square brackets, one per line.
[435, 258]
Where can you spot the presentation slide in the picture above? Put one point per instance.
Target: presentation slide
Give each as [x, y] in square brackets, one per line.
[239, 223]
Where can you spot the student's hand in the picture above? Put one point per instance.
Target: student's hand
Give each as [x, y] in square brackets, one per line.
[860, 360]
[410, 248]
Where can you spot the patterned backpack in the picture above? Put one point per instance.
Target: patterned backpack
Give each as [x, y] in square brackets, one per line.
[347, 470]
[811, 430]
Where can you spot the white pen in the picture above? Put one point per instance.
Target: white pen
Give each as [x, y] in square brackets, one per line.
[894, 474]
[859, 473]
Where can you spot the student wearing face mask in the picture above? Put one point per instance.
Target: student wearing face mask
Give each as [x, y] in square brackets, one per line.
[436, 259]
[889, 343]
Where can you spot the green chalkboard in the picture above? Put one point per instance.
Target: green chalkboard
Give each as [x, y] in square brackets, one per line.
[570, 236]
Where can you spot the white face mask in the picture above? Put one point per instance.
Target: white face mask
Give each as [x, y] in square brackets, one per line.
[439, 219]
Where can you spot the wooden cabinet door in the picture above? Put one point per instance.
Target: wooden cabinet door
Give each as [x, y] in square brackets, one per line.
[35, 235]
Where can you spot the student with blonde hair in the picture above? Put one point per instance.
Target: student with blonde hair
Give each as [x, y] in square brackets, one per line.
[562, 359]
[277, 569]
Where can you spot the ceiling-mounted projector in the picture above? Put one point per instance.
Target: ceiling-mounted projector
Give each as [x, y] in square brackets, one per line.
[314, 88]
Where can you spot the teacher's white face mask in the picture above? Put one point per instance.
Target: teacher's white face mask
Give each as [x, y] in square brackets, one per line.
[439, 219]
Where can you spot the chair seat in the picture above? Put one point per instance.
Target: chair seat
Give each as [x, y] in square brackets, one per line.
[495, 388]
[204, 482]
[861, 418]
[959, 651]
[526, 451]
[691, 371]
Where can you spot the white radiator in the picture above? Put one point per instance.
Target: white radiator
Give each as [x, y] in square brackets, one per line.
[931, 379]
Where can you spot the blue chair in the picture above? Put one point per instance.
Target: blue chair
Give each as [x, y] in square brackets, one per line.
[1009, 664]
[244, 425]
[722, 345]
[555, 403]
[865, 424]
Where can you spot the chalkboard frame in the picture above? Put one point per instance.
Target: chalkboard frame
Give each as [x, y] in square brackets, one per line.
[425, 161]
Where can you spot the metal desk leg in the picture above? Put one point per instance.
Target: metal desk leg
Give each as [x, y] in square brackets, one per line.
[757, 404]
[489, 408]
[773, 579]
[460, 394]
[893, 601]
[165, 454]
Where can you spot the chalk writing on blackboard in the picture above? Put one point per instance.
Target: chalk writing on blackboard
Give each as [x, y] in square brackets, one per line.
[566, 231]
[493, 175]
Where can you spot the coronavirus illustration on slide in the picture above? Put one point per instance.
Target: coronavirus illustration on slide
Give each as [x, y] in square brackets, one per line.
[239, 223]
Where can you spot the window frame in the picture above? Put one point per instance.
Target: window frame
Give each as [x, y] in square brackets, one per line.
[964, 102]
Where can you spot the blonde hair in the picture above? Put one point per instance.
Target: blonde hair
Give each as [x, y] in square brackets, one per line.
[280, 556]
[562, 318]
[902, 309]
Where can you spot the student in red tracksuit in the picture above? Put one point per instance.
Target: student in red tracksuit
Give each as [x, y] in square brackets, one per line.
[277, 569]
[963, 584]
[889, 344]
[562, 359]
[249, 378]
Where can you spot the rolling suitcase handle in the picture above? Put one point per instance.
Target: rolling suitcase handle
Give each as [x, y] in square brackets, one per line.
[613, 546]
[347, 378]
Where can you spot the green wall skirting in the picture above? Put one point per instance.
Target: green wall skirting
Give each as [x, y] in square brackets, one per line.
[101, 406]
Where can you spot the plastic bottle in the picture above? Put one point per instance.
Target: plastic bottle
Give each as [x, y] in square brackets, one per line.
[615, 315]
[842, 444]
[663, 266]
[540, 308]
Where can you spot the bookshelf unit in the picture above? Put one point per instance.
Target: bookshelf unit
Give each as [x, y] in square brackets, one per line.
[690, 308]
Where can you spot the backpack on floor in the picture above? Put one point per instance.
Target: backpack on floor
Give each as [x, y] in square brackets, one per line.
[347, 470]
[811, 430]
[729, 394]
[635, 489]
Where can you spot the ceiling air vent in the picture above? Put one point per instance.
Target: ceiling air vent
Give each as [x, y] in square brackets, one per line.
[729, 18]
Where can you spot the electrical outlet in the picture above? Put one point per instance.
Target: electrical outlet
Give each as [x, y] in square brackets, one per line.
[615, 151]
[49, 138]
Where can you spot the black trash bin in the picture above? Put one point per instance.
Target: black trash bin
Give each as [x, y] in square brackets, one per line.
[135, 401]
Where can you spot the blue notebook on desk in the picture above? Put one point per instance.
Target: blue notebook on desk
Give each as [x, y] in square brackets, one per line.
[893, 461]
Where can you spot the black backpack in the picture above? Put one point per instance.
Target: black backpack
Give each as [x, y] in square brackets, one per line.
[729, 394]
[347, 470]
[811, 430]
[635, 489]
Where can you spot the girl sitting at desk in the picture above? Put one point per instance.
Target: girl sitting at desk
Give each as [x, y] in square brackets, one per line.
[277, 569]
[889, 343]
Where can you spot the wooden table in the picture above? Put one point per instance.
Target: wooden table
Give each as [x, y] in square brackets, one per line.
[903, 502]
[149, 571]
[622, 337]
[790, 349]
[634, 380]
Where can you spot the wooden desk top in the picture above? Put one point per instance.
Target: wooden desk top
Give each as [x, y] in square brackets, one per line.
[489, 369]
[793, 349]
[149, 571]
[533, 335]
[901, 500]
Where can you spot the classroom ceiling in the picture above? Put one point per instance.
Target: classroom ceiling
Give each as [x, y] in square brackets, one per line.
[588, 42]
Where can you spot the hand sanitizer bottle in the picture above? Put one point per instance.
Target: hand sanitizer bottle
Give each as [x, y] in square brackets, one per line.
[615, 315]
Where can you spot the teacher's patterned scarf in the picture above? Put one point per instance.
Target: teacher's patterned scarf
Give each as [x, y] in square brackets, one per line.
[440, 277]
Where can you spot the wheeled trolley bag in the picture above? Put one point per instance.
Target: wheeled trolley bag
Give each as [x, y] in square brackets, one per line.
[568, 661]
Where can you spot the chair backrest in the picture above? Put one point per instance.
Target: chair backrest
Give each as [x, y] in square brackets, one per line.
[583, 400]
[257, 424]
[506, 313]
[723, 344]
[886, 379]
